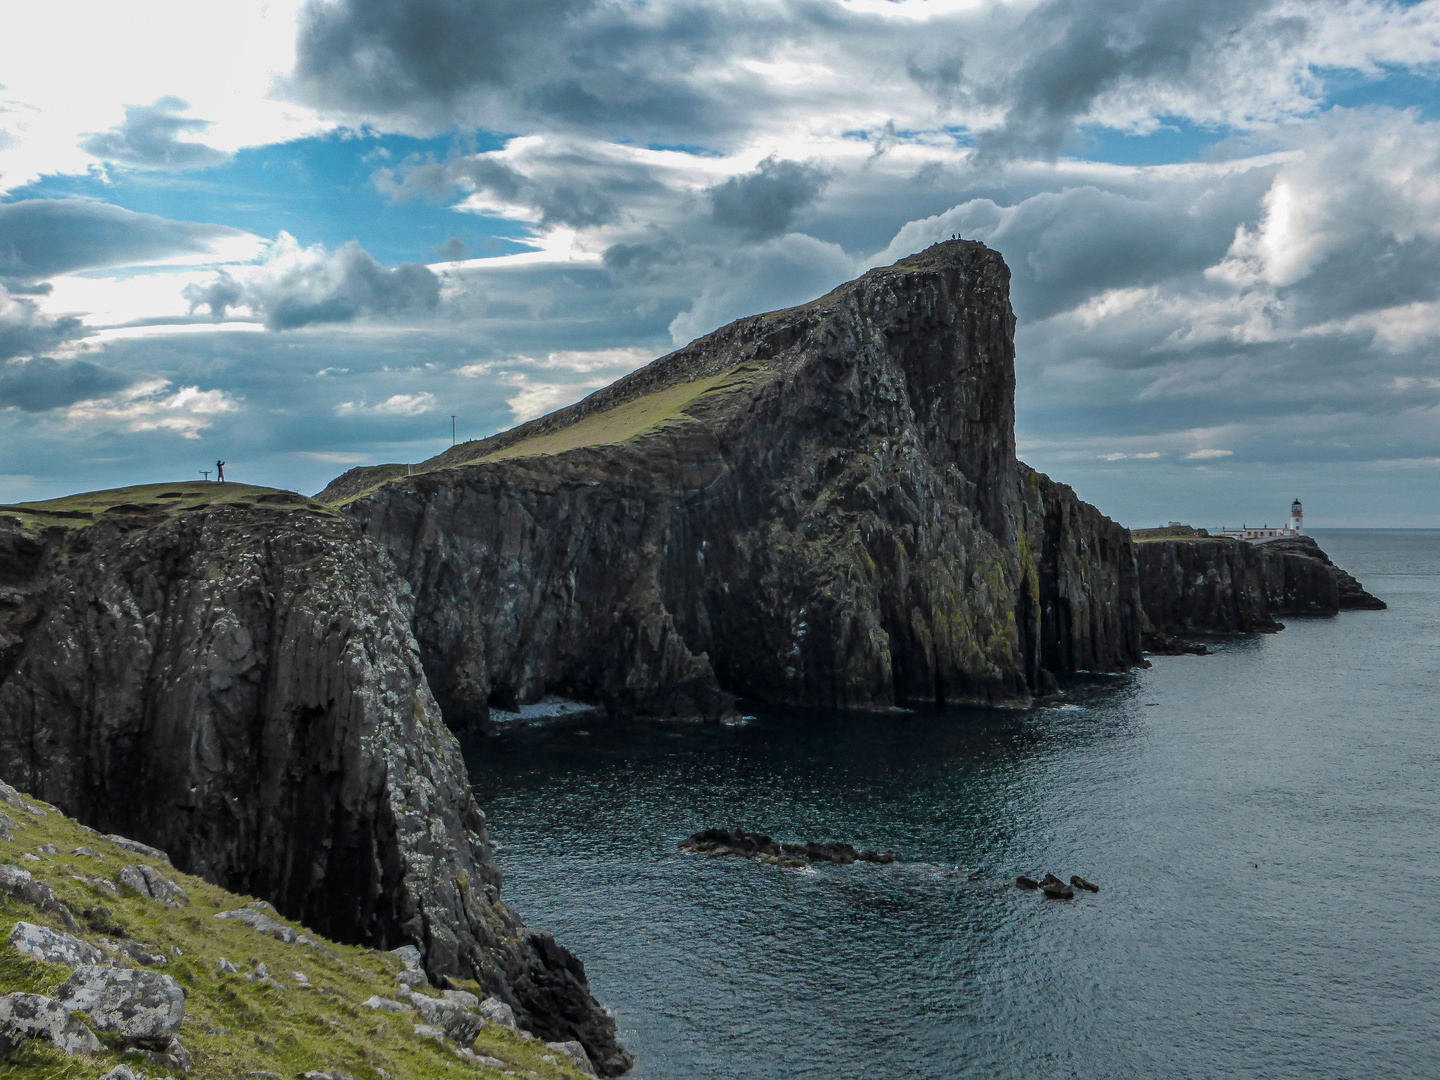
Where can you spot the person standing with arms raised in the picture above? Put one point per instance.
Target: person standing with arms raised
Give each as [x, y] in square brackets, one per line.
[220, 472]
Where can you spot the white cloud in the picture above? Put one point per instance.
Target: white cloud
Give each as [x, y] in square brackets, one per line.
[1209, 454]
[146, 407]
[394, 405]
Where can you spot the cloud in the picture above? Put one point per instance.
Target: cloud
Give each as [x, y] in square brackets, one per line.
[395, 405]
[762, 203]
[298, 287]
[452, 249]
[548, 183]
[43, 384]
[40, 238]
[25, 330]
[147, 407]
[1209, 454]
[150, 138]
[721, 73]
[788, 270]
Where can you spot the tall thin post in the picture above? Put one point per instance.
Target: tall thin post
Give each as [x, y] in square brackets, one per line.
[452, 429]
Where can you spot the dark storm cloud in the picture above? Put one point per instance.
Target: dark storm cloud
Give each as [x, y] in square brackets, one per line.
[25, 330]
[762, 203]
[561, 183]
[695, 73]
[1074, 53]
[40, 238]
[315, 286]
[149, 138]
[42, 384]
[580, 64]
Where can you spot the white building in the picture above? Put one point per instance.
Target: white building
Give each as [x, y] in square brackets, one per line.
[1267, 532]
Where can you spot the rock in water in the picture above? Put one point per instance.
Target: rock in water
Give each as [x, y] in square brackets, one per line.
[814, 507]
[1023, 882]
[1080, 883]
[1056, 889]
[238, 686]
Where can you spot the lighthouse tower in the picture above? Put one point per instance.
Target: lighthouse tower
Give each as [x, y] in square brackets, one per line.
[1296, 517]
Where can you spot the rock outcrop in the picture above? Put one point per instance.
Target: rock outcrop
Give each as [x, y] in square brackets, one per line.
[1220, 586]
[815, 507]
[239, 685]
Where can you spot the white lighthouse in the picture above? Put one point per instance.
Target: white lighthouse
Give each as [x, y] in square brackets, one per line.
[1296, 517]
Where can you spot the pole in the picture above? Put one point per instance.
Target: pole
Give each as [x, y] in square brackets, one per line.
[452, 429]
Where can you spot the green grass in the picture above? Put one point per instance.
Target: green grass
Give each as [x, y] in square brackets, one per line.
[232, 1026]
[616, 425]
[156, 502]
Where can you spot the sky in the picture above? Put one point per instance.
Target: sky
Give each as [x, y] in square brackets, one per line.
[303, 235]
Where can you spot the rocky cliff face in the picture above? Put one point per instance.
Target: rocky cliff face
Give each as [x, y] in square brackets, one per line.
[1215, 586]
[239, 685]
[815, 507]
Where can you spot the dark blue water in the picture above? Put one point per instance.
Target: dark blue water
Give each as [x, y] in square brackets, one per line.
[1263, 824]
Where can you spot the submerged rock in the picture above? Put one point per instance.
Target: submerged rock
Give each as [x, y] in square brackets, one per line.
[1056, 889]
[1024, 882]
[763, 848]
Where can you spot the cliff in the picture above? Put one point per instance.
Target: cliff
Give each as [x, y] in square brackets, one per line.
[229, 674]
[814, 507]
[1218, 586]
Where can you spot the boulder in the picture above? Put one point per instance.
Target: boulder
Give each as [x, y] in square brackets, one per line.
[147, 881]
[12, 797]
[139, 848]
[261, 924]
[120, 1072]
[463, 998]
[137, 1004]
[8, 825]
[455, 1022]
[22, 885]
[1080, 883]
[497, 1012]
[53, 947]
[385, 1004]
[32, 1016]
[1024, 882]
[576, 1053]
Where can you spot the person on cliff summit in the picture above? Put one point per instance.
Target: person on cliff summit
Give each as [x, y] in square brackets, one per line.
[220, 472]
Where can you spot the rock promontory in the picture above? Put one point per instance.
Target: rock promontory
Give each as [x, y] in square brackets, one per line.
[1215, 585]
[819, 506]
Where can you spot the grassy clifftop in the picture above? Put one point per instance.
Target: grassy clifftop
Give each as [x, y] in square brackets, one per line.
[152, 502]
[302, 1011]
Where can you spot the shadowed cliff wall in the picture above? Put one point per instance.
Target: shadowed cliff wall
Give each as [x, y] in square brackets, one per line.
[240, 687]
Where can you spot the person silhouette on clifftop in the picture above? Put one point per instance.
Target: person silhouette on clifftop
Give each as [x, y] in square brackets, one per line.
[220, 472]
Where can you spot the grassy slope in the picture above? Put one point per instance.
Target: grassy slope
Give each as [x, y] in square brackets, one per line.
[232, 1026]
[156, 501]
[630, 419]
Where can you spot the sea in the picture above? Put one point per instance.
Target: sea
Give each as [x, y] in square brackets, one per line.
[1262, 822]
